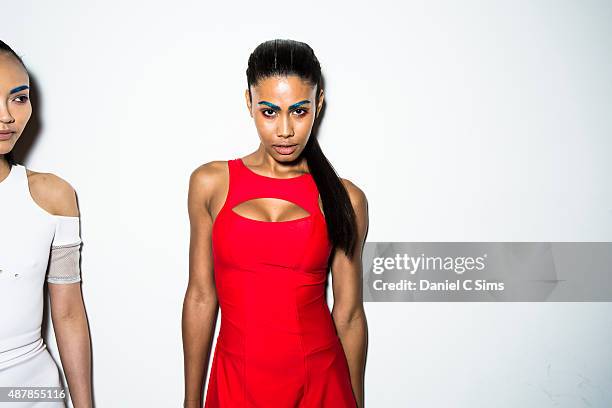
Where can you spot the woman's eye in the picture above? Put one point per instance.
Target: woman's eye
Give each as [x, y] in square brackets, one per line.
[21, 98]
[271, 112]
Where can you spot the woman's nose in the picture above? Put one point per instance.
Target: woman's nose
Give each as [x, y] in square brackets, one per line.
[5, 114]
[284, 127]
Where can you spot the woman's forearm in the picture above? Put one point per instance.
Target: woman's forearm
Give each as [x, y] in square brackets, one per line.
[72, 335]
[199, 318]
[353, 336]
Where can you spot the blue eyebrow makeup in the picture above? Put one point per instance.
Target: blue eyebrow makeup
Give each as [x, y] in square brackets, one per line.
[295, 105]
[271, 105]
[276, 107]
[19, 88]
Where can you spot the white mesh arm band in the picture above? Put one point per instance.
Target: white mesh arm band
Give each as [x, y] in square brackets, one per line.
[65, 252]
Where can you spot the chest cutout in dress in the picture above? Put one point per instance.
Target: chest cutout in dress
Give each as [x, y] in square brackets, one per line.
[269, 209]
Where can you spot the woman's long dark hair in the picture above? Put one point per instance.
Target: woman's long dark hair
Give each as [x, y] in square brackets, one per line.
[289, 57]
[5, 49]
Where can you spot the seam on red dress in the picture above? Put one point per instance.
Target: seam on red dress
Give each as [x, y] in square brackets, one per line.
[297, 316]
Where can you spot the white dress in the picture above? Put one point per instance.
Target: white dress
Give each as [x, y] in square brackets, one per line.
[27, 235]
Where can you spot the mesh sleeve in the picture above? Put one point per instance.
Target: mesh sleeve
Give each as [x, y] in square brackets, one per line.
[65, 252]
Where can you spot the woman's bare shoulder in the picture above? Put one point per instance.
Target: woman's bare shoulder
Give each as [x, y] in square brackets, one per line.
[355, 193]
[209, 174]
[54, 194]
[207, 179]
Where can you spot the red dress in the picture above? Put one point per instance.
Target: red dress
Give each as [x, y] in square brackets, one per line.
[277, 345]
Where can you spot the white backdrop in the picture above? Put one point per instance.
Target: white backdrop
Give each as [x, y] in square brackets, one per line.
[461, 121]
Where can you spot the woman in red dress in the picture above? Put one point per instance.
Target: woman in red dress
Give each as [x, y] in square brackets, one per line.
[265, 230]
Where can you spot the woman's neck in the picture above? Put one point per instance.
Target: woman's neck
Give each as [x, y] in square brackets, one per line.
[5, 167]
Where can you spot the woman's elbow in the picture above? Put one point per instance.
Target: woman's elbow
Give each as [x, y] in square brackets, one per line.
[354, 317]
[201, 295]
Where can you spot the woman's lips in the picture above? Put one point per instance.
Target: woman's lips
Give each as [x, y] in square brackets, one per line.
[4, 135]
[285, 149]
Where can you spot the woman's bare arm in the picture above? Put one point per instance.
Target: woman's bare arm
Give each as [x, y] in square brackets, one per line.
[57, 197]
[200, 305]
[72, 335]
[347, 312]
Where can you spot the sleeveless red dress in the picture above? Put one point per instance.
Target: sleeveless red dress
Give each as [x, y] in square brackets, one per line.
[277, 345]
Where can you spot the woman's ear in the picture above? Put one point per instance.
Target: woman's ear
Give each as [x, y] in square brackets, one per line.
[247, 96]
[320, 104]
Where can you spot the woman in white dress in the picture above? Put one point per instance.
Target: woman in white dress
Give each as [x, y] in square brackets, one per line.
[39, 241]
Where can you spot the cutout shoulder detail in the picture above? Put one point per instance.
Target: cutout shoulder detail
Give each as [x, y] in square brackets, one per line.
[52, 194]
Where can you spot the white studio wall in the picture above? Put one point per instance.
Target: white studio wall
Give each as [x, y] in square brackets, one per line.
[471, 121]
